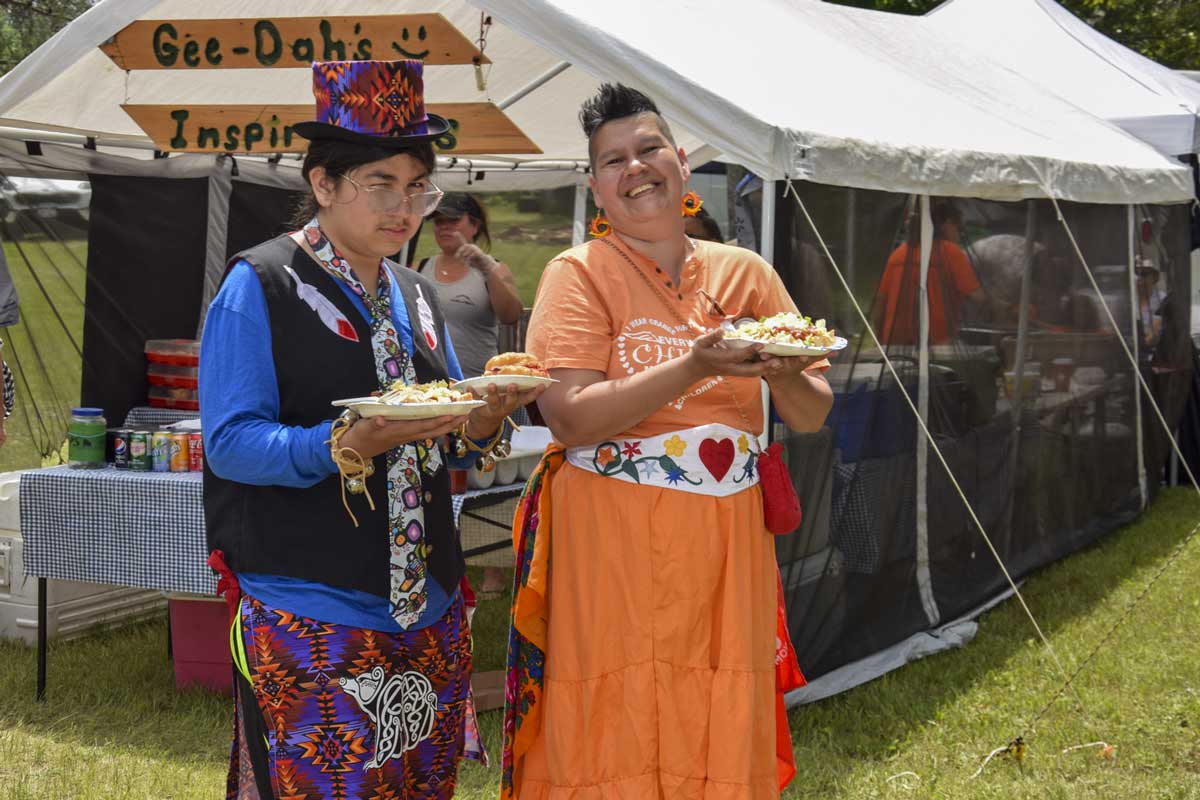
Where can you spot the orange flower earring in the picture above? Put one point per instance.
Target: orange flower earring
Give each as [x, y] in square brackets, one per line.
[691, 204]
[599, 226]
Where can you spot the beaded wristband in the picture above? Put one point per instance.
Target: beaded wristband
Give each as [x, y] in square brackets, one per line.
[353, 468]
[498, 447]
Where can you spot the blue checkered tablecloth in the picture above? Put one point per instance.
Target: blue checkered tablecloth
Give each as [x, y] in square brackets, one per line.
[143, 529]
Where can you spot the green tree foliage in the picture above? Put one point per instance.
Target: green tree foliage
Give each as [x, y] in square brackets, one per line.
[1167, 31]
[25, 24]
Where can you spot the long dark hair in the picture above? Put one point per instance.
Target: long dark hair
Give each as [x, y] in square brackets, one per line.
[338, 158]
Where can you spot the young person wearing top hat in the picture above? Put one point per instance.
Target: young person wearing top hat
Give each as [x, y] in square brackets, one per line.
[350, 642]
[644, 653]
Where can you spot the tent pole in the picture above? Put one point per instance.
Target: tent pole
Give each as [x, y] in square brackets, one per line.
[534, 84]
[579, 226]
[851, 232]
[766, 248]
[924, 578]
[1018, 395]
[220, 187]
[766, 244]
[1134, 313]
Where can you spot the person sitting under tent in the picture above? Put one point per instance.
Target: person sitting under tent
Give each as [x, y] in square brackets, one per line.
[951, 281]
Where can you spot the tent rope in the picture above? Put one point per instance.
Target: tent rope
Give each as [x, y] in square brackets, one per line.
[929, 436]
[25, 231]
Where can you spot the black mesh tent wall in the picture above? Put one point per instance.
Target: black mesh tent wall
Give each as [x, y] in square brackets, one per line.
[1049, 462]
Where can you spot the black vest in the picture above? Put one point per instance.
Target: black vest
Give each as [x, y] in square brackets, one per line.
[306, 533]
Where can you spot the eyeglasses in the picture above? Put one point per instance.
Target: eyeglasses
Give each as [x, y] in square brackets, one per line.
[381, 198]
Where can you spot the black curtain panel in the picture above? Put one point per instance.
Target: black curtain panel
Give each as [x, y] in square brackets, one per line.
[258, 213]
[146, 251]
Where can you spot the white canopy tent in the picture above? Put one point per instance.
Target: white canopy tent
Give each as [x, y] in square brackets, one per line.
[1045, 43]
[70, 85]
[895, 108]
[850, 97]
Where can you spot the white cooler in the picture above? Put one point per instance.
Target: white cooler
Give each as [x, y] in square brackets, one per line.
[72, 608]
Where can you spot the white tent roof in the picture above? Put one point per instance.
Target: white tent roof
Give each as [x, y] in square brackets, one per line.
[849, 97]
[70, 85]
[806, 90]
[1044, 42]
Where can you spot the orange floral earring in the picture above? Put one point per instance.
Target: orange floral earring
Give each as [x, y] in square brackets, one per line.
[600, 226]
[691, 204]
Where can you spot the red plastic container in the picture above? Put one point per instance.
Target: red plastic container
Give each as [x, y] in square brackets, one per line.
[175, 352]
[200, 643]
[171, 397]
[167, 375]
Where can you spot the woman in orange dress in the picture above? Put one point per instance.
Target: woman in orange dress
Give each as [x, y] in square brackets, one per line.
[643, 652]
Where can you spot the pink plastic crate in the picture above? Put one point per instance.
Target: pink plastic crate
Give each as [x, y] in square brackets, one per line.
[200, 643]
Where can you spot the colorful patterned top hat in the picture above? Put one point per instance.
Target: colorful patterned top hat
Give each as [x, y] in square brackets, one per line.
[380, 103]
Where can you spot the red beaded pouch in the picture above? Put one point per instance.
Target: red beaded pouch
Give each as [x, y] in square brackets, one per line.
[781, 506]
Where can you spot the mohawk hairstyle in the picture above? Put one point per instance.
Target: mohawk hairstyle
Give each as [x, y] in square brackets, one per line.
[617, 101]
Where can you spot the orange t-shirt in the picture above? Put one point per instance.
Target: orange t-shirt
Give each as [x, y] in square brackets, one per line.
[593, 312]
[951, 278]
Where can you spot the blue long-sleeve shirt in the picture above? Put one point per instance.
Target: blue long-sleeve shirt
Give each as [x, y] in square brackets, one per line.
[244, 440]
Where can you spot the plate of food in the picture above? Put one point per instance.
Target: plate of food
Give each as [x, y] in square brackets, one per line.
[519, 369]
[785, 334]
[416, 401]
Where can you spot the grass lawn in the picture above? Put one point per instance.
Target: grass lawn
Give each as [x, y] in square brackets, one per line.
[39, 350]
[113, 725]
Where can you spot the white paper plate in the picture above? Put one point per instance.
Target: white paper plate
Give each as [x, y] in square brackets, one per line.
[780, 349]
[411, 410]
[481, 383]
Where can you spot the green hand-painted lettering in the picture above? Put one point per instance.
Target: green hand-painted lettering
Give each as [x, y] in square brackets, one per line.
[266, 35]
[165, 52]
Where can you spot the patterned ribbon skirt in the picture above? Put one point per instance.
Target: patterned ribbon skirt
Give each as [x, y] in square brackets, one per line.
[331, 711]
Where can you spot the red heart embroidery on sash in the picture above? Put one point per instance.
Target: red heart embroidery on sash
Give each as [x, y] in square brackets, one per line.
[717, 456]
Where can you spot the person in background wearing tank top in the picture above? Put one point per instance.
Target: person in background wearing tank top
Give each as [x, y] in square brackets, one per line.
[477, 292]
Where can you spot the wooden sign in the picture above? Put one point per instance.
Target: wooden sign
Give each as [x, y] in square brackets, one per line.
[475, 128]
[287, 42]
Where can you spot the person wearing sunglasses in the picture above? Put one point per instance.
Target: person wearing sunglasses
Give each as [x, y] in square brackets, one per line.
[349, 635]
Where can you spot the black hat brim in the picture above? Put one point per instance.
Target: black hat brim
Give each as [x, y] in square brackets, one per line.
[434, 128]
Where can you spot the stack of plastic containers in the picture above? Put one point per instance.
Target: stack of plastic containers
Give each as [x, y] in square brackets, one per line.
[171, 368]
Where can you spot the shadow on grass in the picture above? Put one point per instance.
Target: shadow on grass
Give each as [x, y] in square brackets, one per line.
[899, 703]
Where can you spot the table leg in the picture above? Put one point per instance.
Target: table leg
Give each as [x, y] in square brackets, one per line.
[41, 640]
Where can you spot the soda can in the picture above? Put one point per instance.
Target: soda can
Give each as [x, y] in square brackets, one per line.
[121, 448]
[179, 452]
[139, 451]
[160, 451]
[195, 452]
